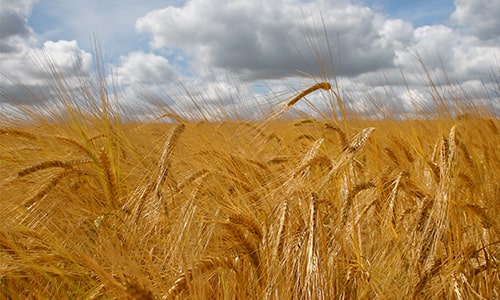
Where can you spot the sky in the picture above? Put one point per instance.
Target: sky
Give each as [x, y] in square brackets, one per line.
[240, 55]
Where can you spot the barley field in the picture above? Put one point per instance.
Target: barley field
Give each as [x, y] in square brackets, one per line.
[95, 207]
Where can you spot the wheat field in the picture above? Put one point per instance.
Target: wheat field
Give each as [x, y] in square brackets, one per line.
[94, 207]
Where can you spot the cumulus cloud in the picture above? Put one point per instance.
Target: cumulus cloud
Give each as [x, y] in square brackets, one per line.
[65, 57]
[27, 69]
[243, 42]
[144, 68]
[261, 37]
[448, 55]
[15, 33]
[34, 69]
[12, 24]
[480, 17]
[371, 52]
[143, 77]
[18, 6]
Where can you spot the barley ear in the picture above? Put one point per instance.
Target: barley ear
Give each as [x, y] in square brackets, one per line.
[45, 165]
[18, 133]
[135, 290]
[248, 223]
[165, 159]
[322, 85]
[201, 267]
[311, 265]
[357, 142]
[51, 184]
[343, 137]
[108, 172]
[311, 154]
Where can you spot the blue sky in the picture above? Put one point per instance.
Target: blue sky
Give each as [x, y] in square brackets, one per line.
[114, 20]
[425, 12]
[226, 50]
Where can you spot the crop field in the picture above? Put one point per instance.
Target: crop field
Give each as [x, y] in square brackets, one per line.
[95, 207]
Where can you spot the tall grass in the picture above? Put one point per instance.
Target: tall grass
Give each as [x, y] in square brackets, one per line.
[343, 208]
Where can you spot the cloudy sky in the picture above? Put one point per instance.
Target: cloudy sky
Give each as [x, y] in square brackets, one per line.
[237, 55]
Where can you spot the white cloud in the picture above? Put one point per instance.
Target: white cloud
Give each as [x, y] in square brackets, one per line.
[144, 68]
[34, 69]
[143, 78]
[66, 56]
[449, 55]
[18, 6]
[112, 21]
[480, 17]
[261, 37]
[15, 34]
[243, 42]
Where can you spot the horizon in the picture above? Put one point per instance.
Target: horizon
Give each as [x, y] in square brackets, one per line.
[231, 55]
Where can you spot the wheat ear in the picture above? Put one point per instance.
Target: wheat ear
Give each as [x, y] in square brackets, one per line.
[310, 155]
[391, 210]
[278, 239]
[486, 221]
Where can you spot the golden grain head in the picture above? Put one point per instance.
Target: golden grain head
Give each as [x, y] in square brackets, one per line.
[261, 209]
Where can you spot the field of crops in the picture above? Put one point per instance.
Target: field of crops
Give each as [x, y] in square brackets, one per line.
[93, 207]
